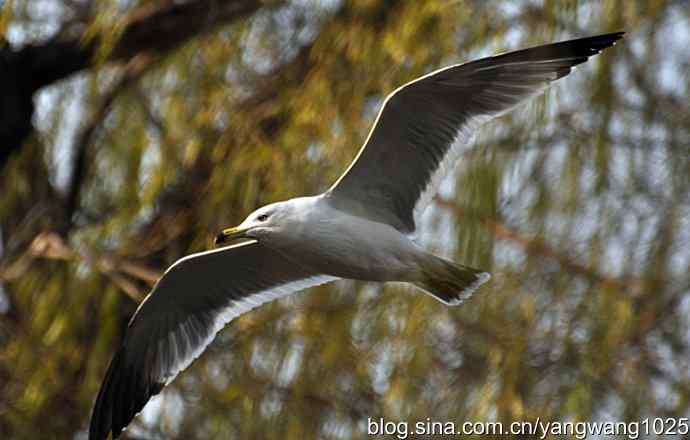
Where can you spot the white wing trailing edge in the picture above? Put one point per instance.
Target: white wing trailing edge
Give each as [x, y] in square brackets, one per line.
[421, 123]
[195, 298]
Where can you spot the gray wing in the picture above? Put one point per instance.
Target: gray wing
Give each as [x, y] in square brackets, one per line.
[420, 122]
[193, 300]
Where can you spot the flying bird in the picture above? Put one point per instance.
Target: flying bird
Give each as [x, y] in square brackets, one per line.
[360, 228]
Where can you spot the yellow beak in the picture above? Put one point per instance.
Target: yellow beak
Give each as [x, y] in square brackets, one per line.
[230, 233]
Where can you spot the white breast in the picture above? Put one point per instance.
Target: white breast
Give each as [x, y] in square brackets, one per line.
[339, 244]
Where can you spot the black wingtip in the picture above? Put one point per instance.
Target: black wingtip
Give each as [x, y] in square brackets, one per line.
[600, 42]
[580, 49]
[594, 44]
[605, 40]
[577, 51]
[124, 392]
[617, 35]
[101, 416]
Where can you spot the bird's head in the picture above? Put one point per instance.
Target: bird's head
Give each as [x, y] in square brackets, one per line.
[260, 224]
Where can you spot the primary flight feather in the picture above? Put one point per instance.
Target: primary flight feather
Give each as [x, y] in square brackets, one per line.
[360, 228]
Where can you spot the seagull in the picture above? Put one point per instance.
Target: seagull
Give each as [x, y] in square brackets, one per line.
[361, 228]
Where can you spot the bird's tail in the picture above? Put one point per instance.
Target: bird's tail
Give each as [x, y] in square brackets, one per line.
[449, 282]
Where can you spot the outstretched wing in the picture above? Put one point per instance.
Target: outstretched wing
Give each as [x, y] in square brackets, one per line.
[420, 122]
[193, 300]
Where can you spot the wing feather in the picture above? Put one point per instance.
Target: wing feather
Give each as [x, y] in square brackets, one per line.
[193, 300]
[421, 124]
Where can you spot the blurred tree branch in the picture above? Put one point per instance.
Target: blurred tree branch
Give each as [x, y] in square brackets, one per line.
[134, 69]
[51, 246]
[536, 247]
[173, 219]
[152, 28]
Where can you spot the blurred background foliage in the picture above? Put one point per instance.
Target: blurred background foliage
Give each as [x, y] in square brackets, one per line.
[579, 203]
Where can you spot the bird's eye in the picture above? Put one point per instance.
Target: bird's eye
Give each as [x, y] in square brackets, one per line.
[263, 217]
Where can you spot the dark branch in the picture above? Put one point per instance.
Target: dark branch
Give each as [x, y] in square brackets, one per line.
[148, 29]
[536, 247]
[134, 70]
